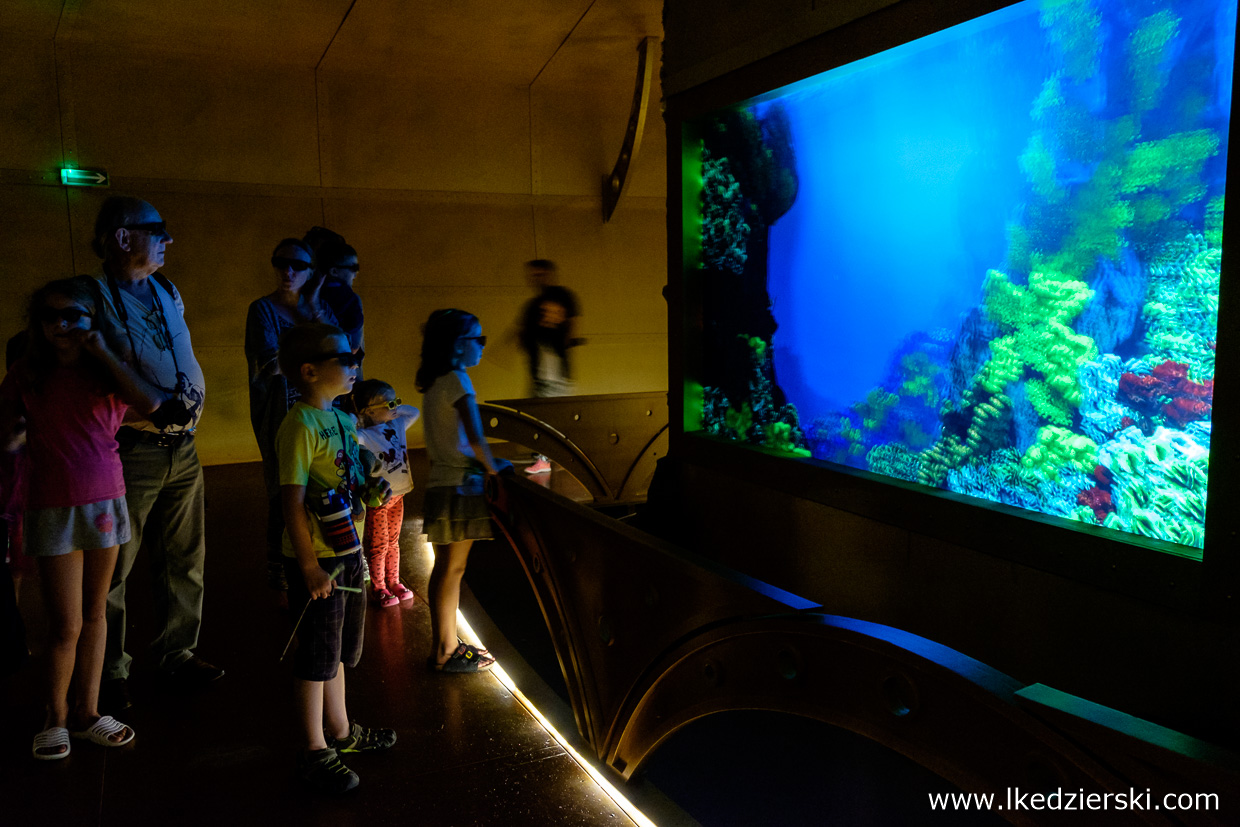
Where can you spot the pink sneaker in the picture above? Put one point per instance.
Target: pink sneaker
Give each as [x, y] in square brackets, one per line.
[399, 591]
[383, 597]
[543, 466]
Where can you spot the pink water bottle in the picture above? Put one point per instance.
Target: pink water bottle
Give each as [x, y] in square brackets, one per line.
[336, 518]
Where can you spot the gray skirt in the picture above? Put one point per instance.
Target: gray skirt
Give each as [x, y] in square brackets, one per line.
[52, 531]
[457, 512]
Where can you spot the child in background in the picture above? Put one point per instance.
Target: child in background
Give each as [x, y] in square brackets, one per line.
[456, 511]
[382, 421]
[321, 465]
[73, 392]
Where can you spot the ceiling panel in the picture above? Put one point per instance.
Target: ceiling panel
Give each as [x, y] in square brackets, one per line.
[508, 42]
[503, 42]
[279, 31]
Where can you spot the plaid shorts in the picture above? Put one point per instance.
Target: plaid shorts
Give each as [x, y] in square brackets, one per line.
[331, 632]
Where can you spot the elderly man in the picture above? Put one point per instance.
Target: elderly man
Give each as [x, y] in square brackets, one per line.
[144, 314]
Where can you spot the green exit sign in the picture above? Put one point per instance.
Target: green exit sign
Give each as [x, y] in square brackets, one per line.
[84, 177]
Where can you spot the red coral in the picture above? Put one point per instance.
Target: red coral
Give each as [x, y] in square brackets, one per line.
[1098, 500]
[1184, 410]
[1127, 422]
[1103, 476]
[1167, 388]
[1170, 372]
[1140, 389]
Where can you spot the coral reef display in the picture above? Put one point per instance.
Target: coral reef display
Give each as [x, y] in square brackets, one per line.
[1078, 379]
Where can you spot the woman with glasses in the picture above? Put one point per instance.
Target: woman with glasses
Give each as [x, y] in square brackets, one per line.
[72, 391]
[295, 299]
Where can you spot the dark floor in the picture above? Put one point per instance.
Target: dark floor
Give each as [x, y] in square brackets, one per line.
[468, 752]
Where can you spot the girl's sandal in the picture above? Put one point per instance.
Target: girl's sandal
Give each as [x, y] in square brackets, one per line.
[102, 731]
[465, 659]
[399, 590]
[50, 739]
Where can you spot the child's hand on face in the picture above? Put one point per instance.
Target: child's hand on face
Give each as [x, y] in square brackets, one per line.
[92, 342]
[318, 583]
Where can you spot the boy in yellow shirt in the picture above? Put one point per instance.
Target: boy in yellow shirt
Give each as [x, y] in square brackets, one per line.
[321, 483]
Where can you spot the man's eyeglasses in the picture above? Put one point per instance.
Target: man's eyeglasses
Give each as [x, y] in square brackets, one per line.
[155, 228]
[481, 340]
[281, 263]
[390, 404]
[346, 359]
[69, 315]
[352, 268]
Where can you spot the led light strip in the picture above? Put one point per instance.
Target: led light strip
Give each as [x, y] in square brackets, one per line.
[638, 817]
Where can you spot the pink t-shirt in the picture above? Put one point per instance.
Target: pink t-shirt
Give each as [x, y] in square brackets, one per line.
[71, 437]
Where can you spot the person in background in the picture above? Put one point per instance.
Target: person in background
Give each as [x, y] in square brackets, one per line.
[72, 390]
[294, 300]
[547, 331]
[163, 477]
[322, 485]
[455, 510]
[337, 266]
[382, 423]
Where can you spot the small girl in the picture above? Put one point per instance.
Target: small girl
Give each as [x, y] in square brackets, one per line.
[382, 422]
[72, 391]
[456, 512]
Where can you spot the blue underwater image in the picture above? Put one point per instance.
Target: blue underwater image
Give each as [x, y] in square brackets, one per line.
[986, 261]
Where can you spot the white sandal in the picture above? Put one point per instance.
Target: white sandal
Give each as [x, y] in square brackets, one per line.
[100, 732]
[56, 736]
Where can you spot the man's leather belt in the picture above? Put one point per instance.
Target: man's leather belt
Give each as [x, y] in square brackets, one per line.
[132, 435]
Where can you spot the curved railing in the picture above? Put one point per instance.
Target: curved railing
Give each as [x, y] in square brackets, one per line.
[651, 637]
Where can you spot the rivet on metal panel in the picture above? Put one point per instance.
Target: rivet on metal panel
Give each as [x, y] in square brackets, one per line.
[576, 417]
[899, 695]
[613, 437]
[536, 563]
[535, 436]
[604, 631]
[649, 413]
[494, 422]
[712, 671]
[788, 664]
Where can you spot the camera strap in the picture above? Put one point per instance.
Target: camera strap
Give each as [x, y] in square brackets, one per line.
[123, 315]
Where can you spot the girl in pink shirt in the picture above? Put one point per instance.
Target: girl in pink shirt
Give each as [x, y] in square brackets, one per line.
[72, 391]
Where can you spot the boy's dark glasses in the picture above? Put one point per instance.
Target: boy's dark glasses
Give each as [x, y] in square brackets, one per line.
[390, 404]
[69, 315]
[346, 359]
[481, 340]
[280, 263]
[352, 268]
[155, 228]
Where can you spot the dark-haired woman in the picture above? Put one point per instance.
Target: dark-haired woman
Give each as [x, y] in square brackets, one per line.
[295, 299]
[72, 391]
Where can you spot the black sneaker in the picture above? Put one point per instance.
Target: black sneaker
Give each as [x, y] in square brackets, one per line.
[194, 673]
[362, 739]
[324, 771]
[114, 696]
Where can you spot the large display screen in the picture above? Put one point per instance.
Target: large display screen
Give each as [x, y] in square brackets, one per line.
[986, 261]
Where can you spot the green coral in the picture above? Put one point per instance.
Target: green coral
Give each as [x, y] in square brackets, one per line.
[874, 410]
[1074, 26]
[1058, 448]
[894, 461]
[1159, 487]
[1181, 309]
[1146, 45]
[1035, 319]
[725, 231]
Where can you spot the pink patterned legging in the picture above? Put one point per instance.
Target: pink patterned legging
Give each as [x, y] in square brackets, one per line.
[382, 541]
